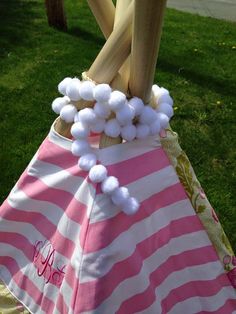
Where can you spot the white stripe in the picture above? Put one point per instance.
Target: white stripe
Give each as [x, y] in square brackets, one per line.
[67, 293]
[176, 279]
[104, 259]
[65, 226]
[210, 303]
[140, 282]
[154, 183]
[56, 177]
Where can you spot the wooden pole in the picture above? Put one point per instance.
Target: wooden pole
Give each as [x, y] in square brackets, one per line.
[147, 27]
[109, 60]
[120, 81]
[114, 52]
[104, 13]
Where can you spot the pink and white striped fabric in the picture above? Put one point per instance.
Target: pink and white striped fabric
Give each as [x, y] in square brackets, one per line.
[65, 248]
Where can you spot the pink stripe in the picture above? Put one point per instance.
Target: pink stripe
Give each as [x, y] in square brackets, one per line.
[121, 271]
[56, 155]
[25, 284]
[106, 231]
[61, 244]
[18, 241]
[174, 263]
[38, 190]
[132, 169]
[201, 288]
[227, 308]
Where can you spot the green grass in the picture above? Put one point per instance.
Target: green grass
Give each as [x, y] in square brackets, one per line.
[196, 63]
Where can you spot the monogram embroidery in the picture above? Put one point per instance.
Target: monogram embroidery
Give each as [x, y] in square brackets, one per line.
[47, 265]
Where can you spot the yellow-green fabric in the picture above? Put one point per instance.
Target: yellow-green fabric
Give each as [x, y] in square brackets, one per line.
[8, 304]
[199, 201]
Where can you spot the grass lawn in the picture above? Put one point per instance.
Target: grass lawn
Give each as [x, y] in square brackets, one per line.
[196, 63]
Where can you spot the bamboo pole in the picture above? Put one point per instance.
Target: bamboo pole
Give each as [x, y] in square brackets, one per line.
[147, 27]
[104, 13]
[114, 52]
[120, 81]
[121, 35]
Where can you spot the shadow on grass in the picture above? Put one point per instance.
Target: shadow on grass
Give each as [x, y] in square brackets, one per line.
[16, 23]
[85, 35]
[225, 87]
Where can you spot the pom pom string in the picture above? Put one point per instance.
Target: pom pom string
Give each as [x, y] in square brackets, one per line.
[131, 119]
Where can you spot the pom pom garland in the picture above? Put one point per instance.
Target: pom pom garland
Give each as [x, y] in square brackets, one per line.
[63, 85]
[120, 196]
[143, 131]
[117, 100]
[130, 206]
[79, 130]
[68, 112]
[125, 115]
[59, 103]
[80, 147]
[112, 128]
[86, 90]
[133, 120]
[137, 104]
[98, 173]
[87, 116]
[109, 185]
[87, 161]
[128, 132]
[102, 110]
[72, 90]
[102, 93]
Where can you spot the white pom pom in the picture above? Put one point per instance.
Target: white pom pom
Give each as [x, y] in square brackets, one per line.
[76, 118]
[160, 91]
[117, 100]
[86, 90]
[97, 173]
[120, 196]
[128, 132]
[98, 126]
[155, 127]
[68, 113]
[155, 89]
[59, 103]
[164, 120]
[143, 131]
[112, 128]
[86, 162]
[109, 185]
[72, 90]
[125, 115]
[80, 147]
[63, 85]
[131, 206]
[166, 109]
[148, 115]
[102, 92]
[79, 130]
[87, 116]
[137, 104]
[102, 110]
[165, 99]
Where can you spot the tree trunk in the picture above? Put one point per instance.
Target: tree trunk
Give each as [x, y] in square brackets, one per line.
[55, 13]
